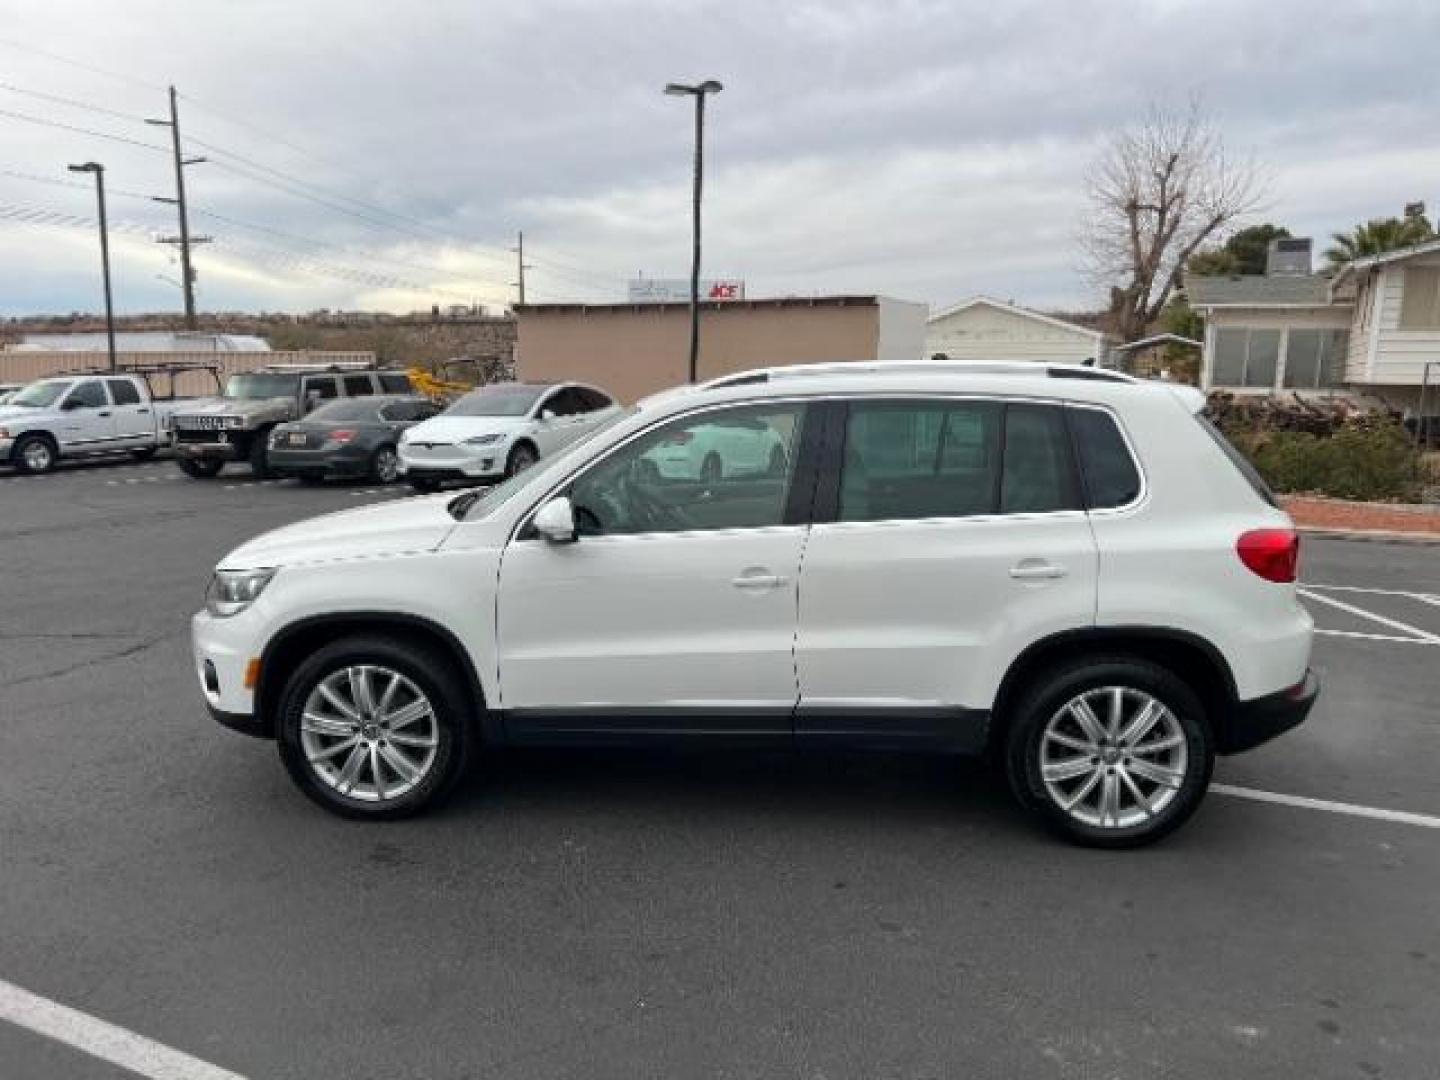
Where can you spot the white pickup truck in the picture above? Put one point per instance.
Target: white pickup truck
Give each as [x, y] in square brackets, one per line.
[79, 415]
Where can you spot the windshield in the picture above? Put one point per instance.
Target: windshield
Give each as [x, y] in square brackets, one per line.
[505, 399]
[351, 409]
[481, 502]
[39, 395]
[262, 386]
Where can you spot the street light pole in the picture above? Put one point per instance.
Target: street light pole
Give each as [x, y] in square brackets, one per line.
[99, 171]
[698, 92]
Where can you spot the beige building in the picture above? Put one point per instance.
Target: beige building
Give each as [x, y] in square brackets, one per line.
[984, 329]
[633, 350]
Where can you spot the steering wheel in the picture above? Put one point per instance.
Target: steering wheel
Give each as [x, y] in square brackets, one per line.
[653, 512]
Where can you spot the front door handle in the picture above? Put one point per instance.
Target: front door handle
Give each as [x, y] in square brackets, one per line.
[105, 413]
[1036, 570]
[758, 578]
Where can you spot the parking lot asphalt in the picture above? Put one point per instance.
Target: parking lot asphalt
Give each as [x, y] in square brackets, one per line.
[678, 915]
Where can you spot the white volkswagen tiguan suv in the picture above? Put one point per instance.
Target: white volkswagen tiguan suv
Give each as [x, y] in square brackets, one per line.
[1065, 567]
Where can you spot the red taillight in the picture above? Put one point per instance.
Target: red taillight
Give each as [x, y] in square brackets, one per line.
[342, 435]
[1274, 554]
[680, 438]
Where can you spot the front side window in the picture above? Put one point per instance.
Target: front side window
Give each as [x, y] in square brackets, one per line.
[726, 469]
[323, 388]
[124, 392]
[591, 400]
[88, 395]
[562, 403]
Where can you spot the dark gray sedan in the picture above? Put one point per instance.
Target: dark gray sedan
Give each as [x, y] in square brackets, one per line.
[353, 437]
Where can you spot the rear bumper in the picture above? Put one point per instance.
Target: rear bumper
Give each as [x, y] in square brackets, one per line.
[1259, 720]
[330, 462]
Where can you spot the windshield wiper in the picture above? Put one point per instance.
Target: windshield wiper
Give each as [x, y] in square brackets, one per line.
[461, 504]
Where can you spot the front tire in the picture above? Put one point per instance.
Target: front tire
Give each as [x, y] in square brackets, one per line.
[200, 468]
[374, 728]
[35, 454]
[522, 457]
[1110, 752]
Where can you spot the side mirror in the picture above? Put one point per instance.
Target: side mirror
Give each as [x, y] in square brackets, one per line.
[556, 521]
[547, 414]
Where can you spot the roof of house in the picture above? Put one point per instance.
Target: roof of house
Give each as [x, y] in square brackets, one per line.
[1160, 339]
[1426, 248]
[705, 305]
[1257, 290]
[1015, 309]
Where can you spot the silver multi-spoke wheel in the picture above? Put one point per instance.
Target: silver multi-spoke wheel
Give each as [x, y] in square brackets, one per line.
[1113, 757]
[369, 733]
[387, 465]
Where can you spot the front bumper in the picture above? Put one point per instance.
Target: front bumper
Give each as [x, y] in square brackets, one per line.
[208, 451]
[222, 650]
[485, 463]
[1261, 719]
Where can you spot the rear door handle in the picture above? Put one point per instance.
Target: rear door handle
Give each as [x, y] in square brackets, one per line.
[1035, 570]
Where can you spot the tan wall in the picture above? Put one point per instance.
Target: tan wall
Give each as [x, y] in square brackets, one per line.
[632, 352]
[23, 367]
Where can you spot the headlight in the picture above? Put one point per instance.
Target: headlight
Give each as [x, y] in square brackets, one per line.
[232, 591]
[483, 440]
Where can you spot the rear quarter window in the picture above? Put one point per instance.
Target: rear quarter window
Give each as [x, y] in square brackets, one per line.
[1107, 467]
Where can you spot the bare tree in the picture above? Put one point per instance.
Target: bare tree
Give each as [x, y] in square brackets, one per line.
[1156, 193]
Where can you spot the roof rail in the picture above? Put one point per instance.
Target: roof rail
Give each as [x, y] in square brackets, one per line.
[903, 367]
[325, 366]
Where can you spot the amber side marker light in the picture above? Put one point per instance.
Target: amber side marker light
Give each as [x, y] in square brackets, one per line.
[252, 674]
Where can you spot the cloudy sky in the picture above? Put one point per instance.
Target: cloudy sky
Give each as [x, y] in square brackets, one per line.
[369, 154]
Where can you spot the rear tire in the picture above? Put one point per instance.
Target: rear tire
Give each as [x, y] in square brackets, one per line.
[35, 454]
[349, 759]
[199, 468]
[1110, 779]
[385, 465]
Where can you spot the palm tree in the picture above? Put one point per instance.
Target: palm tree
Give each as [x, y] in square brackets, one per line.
[1379, 234]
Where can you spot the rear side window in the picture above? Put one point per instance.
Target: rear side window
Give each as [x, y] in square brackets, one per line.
[358, 385]
[323, 388]
[920, 459]
[1240, 461]
[394, 383]
[1110, 475]
[124, 392]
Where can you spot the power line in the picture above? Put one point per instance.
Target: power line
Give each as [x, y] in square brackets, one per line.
[54, 182]
[71, 102]
[82, 131]
[10, 43]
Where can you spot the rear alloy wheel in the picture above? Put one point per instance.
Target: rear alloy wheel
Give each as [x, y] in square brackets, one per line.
[1111, 752]
[373, 728]
[34, 454]
[385, 465]
[520, 459]
[200, 468]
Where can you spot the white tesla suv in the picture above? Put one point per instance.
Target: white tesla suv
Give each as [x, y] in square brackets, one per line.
[500, 430]
[1066, 567]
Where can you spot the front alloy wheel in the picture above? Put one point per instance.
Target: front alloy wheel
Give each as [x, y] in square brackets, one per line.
[374, 728]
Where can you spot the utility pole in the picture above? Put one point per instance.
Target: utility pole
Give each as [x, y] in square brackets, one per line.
[99, 171]
[698, 92]
[184, 240]
[520, 264]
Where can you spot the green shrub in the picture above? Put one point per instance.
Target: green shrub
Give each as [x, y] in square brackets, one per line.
[1365, 460]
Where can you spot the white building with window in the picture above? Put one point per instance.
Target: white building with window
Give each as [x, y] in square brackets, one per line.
[984, 329]
[1373, 329]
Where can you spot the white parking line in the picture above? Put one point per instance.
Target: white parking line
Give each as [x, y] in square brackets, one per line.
[103, 1040]
[1428, 598]
[1383, 620]
[1374, 637]
[1401, 817]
